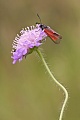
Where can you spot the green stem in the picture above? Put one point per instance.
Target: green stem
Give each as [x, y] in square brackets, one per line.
[60, 85]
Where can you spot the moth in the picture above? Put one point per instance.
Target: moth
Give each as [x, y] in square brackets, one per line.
[55, 37]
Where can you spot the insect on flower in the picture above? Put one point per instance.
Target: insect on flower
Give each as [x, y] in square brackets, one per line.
[30, 38]
[50, 33]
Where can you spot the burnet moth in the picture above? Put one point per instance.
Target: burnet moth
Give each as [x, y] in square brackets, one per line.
[56, 37]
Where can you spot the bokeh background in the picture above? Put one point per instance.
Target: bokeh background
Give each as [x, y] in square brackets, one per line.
[26, 89]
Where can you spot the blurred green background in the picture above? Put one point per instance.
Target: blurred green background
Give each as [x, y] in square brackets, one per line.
[26, 89]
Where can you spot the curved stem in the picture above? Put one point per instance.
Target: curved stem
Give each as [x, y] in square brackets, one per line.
[53, 78]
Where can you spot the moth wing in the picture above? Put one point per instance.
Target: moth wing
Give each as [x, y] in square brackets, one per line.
[53, 35]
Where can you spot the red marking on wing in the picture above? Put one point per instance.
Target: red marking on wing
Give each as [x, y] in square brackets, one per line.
[53, 35]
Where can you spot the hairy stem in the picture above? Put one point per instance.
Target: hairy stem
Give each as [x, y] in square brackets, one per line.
[55, 80]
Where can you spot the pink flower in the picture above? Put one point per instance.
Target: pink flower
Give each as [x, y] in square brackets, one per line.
[26, 41]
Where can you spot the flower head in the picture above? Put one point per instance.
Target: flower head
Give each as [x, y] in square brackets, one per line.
[29, 38]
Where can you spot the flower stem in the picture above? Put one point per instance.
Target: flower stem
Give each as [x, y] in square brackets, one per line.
[60, 85]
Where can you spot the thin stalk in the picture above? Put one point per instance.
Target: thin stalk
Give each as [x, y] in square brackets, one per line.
[55, 80]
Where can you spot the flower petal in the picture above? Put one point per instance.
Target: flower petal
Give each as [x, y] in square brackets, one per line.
[28, 39]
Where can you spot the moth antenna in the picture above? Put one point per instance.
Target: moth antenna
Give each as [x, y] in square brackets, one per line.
[39, 17]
